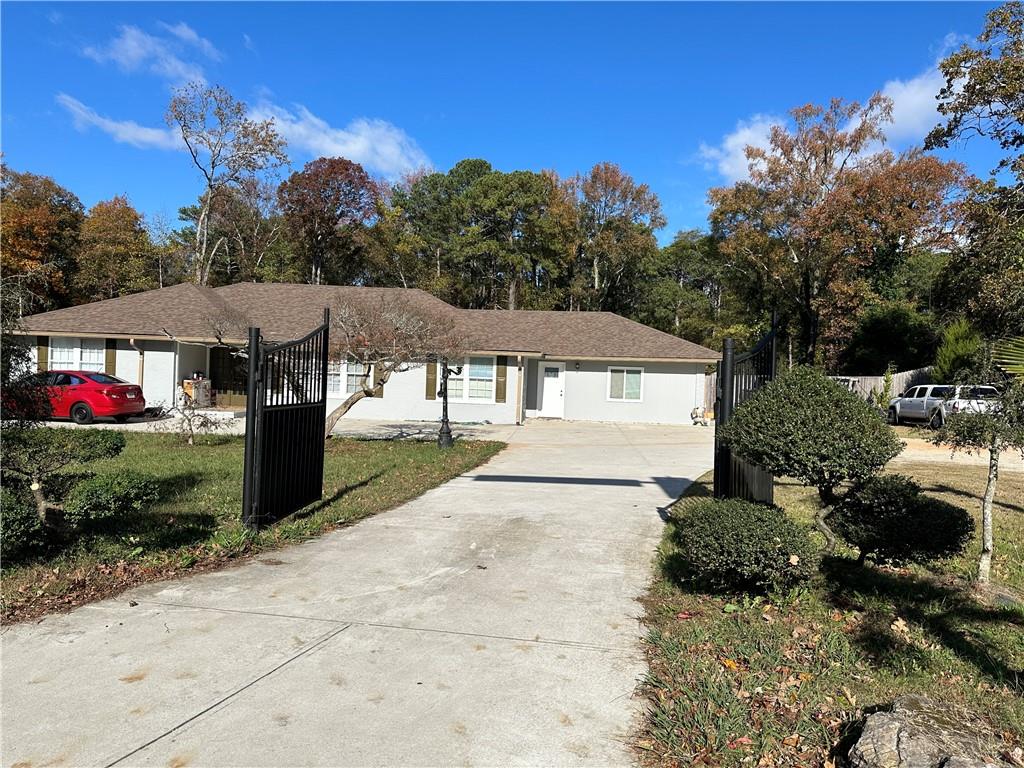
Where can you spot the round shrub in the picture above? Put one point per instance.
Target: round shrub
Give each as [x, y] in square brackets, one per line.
[805, 426]
[889, 520]
[736, 544]
[21, 531]
[105, 497]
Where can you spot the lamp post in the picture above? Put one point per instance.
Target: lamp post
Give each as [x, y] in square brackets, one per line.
[444, 435]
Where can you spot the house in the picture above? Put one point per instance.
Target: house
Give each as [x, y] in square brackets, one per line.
[594, 366]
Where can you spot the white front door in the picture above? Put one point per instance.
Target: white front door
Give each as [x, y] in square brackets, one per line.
[552, 390]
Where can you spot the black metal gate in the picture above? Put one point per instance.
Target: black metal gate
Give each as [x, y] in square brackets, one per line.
[739, 377]
[284, 425]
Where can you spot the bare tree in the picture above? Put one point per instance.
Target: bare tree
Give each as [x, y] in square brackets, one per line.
[383, 338]
[227, 148]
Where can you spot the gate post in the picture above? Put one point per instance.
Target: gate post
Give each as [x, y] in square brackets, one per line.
[250, 471]
[724, 408]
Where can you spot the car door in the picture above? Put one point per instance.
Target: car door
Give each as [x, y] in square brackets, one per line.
[912, 404]
[57, 388]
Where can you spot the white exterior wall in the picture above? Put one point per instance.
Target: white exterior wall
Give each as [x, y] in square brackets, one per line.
[669, 392]
[158, 376]
[405, 399]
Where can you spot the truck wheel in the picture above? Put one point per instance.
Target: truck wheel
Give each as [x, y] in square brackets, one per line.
[937, 420]
[81, 413]
[894, 417]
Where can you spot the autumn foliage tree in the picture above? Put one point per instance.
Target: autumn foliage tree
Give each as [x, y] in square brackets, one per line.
[822, 205]
[40, 227]
[326, 205]
[116, 255]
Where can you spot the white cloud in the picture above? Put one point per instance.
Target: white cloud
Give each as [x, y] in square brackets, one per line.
[373, 143]
[378, 145]
[249, 44]
[122, 131]
[729, 157]
[134, 50]
[187, 35]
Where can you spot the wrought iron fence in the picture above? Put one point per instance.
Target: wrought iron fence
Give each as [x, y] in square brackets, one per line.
[739, 377]
[284, 425]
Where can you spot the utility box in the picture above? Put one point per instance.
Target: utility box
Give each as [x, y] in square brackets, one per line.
[198, 390]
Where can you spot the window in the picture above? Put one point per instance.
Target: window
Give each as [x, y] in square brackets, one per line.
[350, 372]
[62, 353]
[475, 382]
[103, 378]
[77, 354]
[942, 392]
[92, 354]
[625, 384]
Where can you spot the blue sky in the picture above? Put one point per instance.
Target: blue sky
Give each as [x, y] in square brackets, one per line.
[671, 92]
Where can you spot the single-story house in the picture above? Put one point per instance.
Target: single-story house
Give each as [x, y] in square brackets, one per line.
[595, 366]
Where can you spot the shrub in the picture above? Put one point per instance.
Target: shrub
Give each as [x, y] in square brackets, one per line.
[958, 353]
[735, 544]
[21, 531]
[889, 520]
[805, 426]
[104, 497]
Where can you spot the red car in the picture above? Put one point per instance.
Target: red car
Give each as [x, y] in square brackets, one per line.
[84, 395]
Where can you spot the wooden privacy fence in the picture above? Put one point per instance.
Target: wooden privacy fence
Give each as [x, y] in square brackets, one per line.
[862, 385]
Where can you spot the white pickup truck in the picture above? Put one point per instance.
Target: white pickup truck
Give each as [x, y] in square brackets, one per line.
[934, 403]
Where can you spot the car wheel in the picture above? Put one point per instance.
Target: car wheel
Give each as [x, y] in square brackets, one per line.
[894, 417]
[81, 413]
[937, 420]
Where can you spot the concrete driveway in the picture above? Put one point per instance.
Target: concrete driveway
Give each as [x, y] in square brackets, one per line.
[492, 621]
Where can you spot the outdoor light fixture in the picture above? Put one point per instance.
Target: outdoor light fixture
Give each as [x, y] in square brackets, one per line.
[444, 435]
[577, 365]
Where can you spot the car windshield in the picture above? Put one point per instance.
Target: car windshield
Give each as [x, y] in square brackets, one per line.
[106, 378]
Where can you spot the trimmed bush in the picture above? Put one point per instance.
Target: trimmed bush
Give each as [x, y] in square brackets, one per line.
[888, 519]
[805, 426]
[21, 532]
[734, 544]
[105, 497]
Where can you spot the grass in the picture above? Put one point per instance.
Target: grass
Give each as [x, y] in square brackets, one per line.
[782, 680]
[196, 523]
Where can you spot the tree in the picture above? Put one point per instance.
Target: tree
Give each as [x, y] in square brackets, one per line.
[116, 255]
[251, 222]
[385, 337]
[805, 426]
[227, 148]
[38, 456]
[613, 241]
[891, 334]
[820, 209]
[958, 353]
[39, 231]
[983, 95]
[503, 246]
[984, 90]
[996, 429]
[325, 206]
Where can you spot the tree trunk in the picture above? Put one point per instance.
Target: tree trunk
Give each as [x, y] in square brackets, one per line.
[828, 500]
[985, 561]
[49, 513]
[512, 294]
[335, 416]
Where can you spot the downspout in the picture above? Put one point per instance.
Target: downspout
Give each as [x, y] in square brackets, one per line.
[520, 378]
[142, 360]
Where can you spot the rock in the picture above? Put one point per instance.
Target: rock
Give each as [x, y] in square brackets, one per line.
[921, 733]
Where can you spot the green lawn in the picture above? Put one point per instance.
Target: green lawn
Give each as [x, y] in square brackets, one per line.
[738, 680]
[196, 523]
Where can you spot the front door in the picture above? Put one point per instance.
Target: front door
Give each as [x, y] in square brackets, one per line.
[552, 390]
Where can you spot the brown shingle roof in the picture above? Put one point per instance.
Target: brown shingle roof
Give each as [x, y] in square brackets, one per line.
[283, 311]
[575, 334]
[184, 311]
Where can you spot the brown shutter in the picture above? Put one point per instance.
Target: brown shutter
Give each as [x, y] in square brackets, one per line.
[42, 352]
[501, 378]
[110, 358]
[377, 382]
[431, 380]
